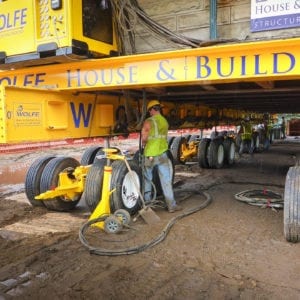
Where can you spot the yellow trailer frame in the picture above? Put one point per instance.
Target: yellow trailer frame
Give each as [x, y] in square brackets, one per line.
[66, 112]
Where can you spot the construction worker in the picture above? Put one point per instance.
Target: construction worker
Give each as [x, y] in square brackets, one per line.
[246, 135]
[154, 140]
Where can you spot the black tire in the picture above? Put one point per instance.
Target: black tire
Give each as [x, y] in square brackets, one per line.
[93, 184]
[291, 212]
[89, 155]
[124, 215]
[187, 137]
[202, 153]
[194, 138]
[216, 154]
[176, 150]
[229, 151]
[112, 224]
[126, 196]
[33, 180]
[50, 180]
[170, 140]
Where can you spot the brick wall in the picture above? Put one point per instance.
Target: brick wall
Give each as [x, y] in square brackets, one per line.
[191, 18]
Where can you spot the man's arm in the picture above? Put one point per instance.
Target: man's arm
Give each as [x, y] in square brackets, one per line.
[145, 132]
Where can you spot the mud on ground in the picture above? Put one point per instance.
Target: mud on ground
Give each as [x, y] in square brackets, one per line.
[227, 250]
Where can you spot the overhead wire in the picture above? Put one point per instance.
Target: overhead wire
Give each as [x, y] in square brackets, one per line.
[128, 14]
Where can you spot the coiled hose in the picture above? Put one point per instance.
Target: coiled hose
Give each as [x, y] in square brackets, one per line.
[136, 249]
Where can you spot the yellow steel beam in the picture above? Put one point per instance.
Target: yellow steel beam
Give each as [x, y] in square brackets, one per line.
[28, 114]
[266, 60]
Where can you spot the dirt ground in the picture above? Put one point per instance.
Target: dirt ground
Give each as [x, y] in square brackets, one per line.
[227, 250]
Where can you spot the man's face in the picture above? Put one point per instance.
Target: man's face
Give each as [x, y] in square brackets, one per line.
[151, 111]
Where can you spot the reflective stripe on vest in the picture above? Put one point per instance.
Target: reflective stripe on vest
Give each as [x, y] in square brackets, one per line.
[157, 140]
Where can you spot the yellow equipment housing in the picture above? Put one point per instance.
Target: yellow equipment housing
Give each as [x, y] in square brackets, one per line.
[52, 31]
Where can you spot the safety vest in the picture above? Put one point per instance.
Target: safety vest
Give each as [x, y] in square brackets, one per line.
[247, 131]
[157, 142]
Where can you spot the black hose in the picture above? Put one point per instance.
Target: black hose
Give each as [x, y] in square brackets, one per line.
[159, 238]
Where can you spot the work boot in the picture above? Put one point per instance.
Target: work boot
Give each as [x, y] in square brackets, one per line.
[174, 208]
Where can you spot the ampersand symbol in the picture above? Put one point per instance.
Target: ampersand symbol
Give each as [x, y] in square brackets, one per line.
[297, 4]
[163, 74]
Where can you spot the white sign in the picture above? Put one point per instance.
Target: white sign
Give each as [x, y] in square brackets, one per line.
[274, 14]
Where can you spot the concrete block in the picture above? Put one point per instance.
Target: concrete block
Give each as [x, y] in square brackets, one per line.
[193, 20]
[240, 13]
[154, 7]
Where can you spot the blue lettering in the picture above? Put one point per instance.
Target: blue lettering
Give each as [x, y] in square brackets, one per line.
[219, 63]
[13, 20]
[243, 65]
[202, 65]
[75, 76]
[39, 79]
[81, 113]
[132, 73]
[120, 73]
[110, 76]
[276, 64]
[2, 22]
[27, 80]
[257, 63]
[5, 79]
[23, 16]
[87, 80]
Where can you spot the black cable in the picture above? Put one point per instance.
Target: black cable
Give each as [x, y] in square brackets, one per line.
[159, 238]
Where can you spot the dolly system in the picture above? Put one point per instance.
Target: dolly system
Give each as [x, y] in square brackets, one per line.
[72, 183]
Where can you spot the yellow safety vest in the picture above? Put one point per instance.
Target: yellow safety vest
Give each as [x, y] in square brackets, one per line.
[247, 132]
[157, 140]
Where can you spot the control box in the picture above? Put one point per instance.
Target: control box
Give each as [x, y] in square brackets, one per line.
[55, 30]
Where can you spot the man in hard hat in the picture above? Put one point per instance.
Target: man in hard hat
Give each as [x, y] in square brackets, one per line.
[154, 140]
[246, 135]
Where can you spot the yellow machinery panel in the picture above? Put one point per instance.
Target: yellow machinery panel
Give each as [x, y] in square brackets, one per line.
[36, 115]
[57, 30]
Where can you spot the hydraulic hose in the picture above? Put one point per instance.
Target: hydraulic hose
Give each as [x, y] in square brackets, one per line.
[136, 249]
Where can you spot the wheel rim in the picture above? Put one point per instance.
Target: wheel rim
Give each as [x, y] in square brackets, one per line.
[130, 186]
[112, 224]
[124, 215]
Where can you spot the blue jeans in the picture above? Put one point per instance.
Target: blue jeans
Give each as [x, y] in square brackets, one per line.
[165, 172]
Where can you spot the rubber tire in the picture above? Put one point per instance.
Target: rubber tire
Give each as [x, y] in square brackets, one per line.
[229, 151]
[170, 140]
[112, 224]
[291, 213]
[214, 160]
[119, 171]
[33, 180]
[124, 215]
[89, 155]
[202, 153]
[49, 179]
[175, 149]
[194, 138]
[93, 184]
[187, 137]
